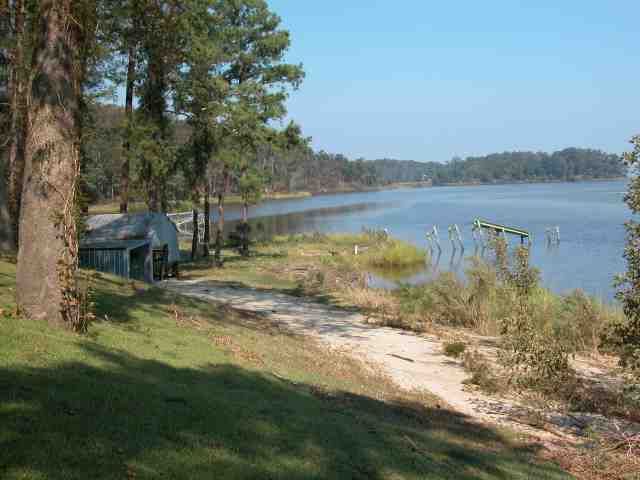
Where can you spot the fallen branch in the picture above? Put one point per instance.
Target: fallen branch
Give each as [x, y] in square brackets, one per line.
[402, 358]
[537, 425]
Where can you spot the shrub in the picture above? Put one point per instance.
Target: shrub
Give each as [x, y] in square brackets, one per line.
[535, 356]
[444, 301]
[581, 320]
[534, 352]
[628, 332]
[454, 349]
[481, 375]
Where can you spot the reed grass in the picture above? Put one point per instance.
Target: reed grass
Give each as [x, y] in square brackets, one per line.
[393, 254]
[482, 302]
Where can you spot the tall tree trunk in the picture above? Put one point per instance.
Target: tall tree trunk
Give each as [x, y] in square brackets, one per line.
[85, 12]
[207, 218]
[153, 106]
[196, 232]
[19, 124]
[6, 232]
[153, 201]
[220, 226]
[124, 171]
[164, 199]
[47, 257]
[244, 246]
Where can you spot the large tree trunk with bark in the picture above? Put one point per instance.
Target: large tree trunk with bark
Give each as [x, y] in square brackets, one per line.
[19, 124]
[124, 172]
[47, 257]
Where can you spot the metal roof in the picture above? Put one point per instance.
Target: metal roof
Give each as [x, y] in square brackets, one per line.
[114, 244]
[110, 230]
[119, 227]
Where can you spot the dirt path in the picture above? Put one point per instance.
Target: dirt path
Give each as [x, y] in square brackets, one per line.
[416, 361]
[411, 361]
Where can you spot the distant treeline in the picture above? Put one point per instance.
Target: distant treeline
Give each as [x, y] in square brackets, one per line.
[570, 164]
[303, 169]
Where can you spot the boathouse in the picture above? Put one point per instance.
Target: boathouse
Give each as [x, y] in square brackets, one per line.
[140, 246]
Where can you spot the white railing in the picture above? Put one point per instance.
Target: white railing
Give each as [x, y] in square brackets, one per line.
[184, 223]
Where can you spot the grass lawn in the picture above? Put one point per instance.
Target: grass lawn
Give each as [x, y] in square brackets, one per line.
[290, 264]
[170, 387]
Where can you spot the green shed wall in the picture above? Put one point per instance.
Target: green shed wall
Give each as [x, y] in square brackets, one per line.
[114, 261]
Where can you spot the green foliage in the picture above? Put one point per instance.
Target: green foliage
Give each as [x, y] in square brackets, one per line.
[514, 272]
[444, 301]
[153, 160]
[288, 164]
[538, 330]
[393, 253]
[250, 186]
[627, 334]
[581, 320]
[478, 366]
[535, 355]
[454, 349]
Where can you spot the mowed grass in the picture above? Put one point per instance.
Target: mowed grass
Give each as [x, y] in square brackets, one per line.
[169, 387]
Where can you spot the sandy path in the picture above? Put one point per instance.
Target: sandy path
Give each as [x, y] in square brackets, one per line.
[412, 361]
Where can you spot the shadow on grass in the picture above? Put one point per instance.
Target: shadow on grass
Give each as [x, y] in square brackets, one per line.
[128, 307]
[139, 418]
[252, 256]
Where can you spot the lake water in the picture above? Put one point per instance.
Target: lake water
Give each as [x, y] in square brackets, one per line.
[590, 215]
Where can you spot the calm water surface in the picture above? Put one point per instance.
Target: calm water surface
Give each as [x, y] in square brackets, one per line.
[590, 216]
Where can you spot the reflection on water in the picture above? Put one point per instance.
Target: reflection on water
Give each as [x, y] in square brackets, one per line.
[392, 278]
[316, 220]
[590, 216]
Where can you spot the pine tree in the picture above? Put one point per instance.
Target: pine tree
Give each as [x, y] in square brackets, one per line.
[258, 82]
[628, 333]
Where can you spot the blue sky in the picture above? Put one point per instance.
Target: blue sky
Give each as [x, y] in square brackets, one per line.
[427, 80]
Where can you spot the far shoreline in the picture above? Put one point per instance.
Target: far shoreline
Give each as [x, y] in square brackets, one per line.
[234, 200]
[425, 185]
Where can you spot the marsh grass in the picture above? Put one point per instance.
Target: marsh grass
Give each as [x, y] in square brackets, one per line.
[392, 254]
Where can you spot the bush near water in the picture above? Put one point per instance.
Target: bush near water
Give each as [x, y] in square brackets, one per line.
[538, 331]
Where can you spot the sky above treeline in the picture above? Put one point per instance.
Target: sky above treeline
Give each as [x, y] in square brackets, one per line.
[428, 80]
